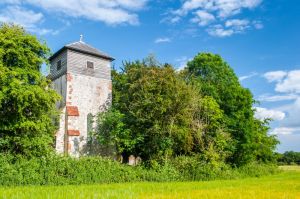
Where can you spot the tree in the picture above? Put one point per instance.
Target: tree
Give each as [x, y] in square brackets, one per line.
[215, 78]
[164, 115]
[289, 158]
[111, 132]
[27, 103]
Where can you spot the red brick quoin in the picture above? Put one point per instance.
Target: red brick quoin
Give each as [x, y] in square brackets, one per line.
[69, 77]
[72, 111]
[73, 133]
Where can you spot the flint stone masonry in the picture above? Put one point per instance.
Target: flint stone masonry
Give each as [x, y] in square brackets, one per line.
[84, 91]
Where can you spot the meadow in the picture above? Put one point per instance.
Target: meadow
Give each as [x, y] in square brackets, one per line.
[286, 184]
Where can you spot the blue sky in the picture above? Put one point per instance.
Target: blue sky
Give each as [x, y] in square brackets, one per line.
[258, 38]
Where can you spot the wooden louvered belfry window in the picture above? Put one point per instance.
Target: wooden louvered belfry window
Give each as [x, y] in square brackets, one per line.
[58, 65]
[90, 65]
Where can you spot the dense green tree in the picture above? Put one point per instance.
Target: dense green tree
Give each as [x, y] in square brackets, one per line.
[289, 157]
[166, 116]
[215, 78]
[27, 104]
[111, 132]
[19, 49]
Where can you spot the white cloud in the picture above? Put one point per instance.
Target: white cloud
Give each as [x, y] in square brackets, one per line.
[206, 12]
[258, 25]
[10, 2]
[203, 18]
[290, 84]
[236, 22]
[286, 82]
[20, 16]
[242, 78]
[263, 113]
[292, 110]
[223, 8]
[26, 18]
[287, 89]
[162, 40]
[111, 12]
[233, 26]
[175, 19]
[275, 76]
[290, 124]
[277, 98]
[232, 7]
[284, 131]
[238, 25]
[219, 31]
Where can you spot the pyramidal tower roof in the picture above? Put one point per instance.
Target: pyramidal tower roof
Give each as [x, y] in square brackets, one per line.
[82, 47]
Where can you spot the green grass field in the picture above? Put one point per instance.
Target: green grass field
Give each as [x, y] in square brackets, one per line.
[283, 185]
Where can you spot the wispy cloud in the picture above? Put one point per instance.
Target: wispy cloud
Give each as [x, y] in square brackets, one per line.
[284, 131]
[223, 8]
[286, 81]
[289, 84]
[29, 19]
[263, 113]
[217, 15]
[287, 88]
[258, 25]
[162, 40]
[203, 18]
[111, 12]
[219, 31]
[232, 26]
[277, 98]
[242, 78]
[275, 76]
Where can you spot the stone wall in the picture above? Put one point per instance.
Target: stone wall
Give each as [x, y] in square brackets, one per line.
[60, 85]
[89, 95]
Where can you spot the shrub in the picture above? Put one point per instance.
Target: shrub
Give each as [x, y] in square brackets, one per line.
[58, 170]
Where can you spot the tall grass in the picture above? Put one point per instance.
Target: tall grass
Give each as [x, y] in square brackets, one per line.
[57, 170]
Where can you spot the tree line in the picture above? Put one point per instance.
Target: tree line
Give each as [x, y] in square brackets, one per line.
[288, 158]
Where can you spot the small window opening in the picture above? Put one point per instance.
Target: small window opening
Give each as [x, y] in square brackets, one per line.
[58, 65]
[90, 65]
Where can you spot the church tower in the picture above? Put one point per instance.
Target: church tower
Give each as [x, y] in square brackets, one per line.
[81, 74]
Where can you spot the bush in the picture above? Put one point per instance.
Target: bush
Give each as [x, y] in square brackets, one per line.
[58, 170]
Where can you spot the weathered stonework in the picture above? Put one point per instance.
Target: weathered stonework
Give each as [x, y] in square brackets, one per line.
[85, 91]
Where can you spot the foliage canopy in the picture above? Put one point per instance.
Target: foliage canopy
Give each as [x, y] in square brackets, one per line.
[27, 104]
[202, 110]
[216, 78]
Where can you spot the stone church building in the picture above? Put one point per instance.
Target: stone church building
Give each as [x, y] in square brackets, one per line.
[81, 74]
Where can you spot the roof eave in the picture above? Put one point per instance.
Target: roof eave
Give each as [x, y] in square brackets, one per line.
[90, 53]
[57, 53]
[81, 51]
